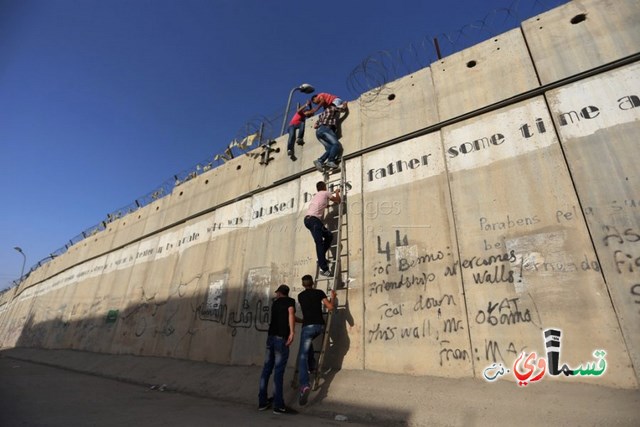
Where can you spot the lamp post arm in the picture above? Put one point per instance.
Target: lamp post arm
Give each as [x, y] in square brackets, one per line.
[286, 111]
[24, 260]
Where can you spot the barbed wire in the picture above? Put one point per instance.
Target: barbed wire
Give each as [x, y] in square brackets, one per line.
[367, 81]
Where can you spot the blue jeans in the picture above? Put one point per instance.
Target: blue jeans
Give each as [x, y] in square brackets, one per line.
[306, 358]
[292, 134]
[322, 237]
[277, 354]
[328, 138]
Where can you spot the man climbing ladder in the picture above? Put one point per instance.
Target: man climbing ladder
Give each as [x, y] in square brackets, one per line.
[313, 221]
[312, 301]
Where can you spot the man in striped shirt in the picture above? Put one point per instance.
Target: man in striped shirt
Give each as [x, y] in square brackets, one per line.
[326, 128]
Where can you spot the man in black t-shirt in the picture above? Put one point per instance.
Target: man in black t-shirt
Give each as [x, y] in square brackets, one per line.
[311, 301]
[281, 333]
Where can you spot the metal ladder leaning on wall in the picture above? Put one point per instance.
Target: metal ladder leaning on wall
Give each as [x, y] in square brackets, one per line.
[338, 258]
[336, 222]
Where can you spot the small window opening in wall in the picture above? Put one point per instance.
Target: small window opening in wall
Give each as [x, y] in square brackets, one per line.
[579, 18]
[471, 64]
[206, 182]
[124, 223]
[238, 167]
[139, 216]
[181, 193]
[392, 96]
[157, 207]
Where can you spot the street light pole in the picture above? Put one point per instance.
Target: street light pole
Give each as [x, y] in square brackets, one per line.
[24, 260]
[304, 88]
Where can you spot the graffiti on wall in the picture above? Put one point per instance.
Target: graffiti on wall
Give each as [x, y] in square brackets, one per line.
[254, 307]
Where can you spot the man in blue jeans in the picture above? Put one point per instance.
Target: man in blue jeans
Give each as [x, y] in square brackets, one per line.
[311, 301]
[313, 221]
[326, 128]
[280, 337]
[297, 123]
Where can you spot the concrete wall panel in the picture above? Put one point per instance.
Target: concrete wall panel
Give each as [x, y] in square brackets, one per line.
[154, 214]
[412, 305]
[398, 108]
[598, 120]
[132, 305]
[481, 75]
[129, 228]
[218, 295]
[582, 35]
[267, 263]
[176, 318]
[520, 263]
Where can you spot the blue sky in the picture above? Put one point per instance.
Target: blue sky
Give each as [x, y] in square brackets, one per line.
[101, 101]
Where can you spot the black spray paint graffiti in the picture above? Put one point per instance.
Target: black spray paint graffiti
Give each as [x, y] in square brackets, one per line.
[255, 308]
[505, 312]
[141, 317]
[625, 255]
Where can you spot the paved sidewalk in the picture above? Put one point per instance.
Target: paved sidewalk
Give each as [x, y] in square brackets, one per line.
[369, 397]
[39, 395]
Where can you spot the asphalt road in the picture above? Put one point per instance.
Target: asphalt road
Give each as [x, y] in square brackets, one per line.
[39, 395]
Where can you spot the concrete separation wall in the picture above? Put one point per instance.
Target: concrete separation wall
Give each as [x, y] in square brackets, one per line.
[491, 196]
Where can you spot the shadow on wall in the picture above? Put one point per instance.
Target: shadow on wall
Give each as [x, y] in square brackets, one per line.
[338, 348]
[227, 327]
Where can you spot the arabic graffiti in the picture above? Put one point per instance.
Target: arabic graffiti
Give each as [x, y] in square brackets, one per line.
[533, 369]
[254, 310]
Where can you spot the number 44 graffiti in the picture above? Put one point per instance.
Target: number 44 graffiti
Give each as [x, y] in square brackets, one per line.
[400, 241]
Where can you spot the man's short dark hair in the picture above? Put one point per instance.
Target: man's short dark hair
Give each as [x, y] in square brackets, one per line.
[307, 280]
[320, 185]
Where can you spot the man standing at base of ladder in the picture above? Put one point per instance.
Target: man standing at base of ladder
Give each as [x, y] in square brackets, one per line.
[313, 221]
[311, 301]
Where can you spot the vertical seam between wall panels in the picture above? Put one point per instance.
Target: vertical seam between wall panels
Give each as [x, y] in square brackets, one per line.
[455, 233]
[457, 242]
[361, 243]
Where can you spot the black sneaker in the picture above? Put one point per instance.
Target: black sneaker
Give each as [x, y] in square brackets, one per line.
[279, 410]
[300, 142]
[266, 406]
[291, 155]
[304, 395]
[326, 273]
